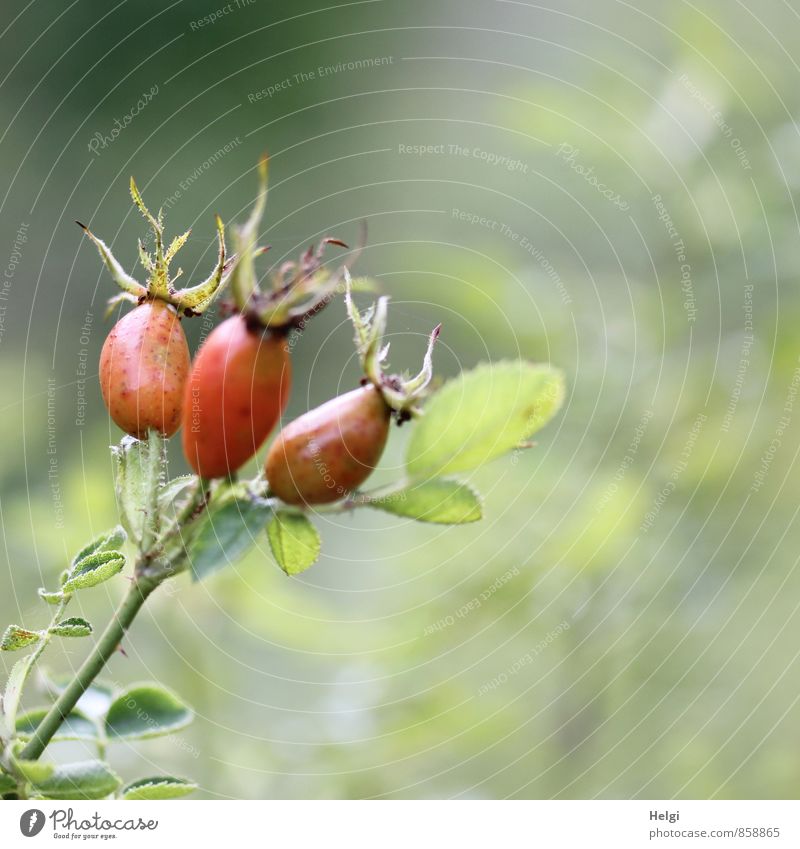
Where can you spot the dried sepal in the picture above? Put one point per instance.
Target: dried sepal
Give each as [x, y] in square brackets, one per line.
[402, 394]
[118, 273]
[299, 289]
[243, 274]
[304, 288]
[191, 300]
[421, 381]
[176, 244]
[113, 303]
[197, 298]
[145, 258]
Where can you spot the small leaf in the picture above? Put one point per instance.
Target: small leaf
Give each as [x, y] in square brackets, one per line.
[16, 638]
[82, 780]
[76, 725]
[226, 533]
[50, 597]
[443, 502]
[139, 467]
[93, 570]
[146, 710]
[159, 787]
[13, 692]
[294, 541]
[7, 784]
[482, 414]
[175, 493]
[75, 626]
[35, 771]
[107, 541]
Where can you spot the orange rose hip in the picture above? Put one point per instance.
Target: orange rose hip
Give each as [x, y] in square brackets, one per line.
[330, 451]
[145, 359]
[236, 392]
[143, 369]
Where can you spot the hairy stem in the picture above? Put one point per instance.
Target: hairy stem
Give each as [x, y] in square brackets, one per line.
[45, 641]
[193, 503]
[136, 596]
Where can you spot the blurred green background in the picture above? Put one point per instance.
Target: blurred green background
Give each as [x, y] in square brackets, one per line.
[609, 187]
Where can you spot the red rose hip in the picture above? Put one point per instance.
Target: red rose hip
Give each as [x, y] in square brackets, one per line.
[240, 380]
[237, 390]
[143, 369]
[330, 451]
[145, 359]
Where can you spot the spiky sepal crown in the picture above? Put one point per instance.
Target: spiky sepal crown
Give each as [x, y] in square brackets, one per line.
[400, 391]
[191, 300]
[298, 291]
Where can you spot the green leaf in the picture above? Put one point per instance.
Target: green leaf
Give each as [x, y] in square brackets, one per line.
[7, 784]
[175, 494]
[76, 725]
[481, 415]
[139, 468]
[159, 787]
[35, 771]
[93, 570]
[17, 637]
[294, 541]
[81, 780]
[13, 692]
[146, 710]
[75, 626]
[176, 489]
[50, 597]
[107, 541]
[442, 502]
[226, 532]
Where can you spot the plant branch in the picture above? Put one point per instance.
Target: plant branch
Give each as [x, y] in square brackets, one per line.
[136, 596]
[46, 635]
[31, 661]
[151, 564]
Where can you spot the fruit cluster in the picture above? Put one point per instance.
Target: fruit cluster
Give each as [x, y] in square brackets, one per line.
[229, 399]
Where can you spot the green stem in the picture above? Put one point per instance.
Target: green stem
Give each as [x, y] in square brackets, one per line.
[197, 498]
[136, 596]
[362, 499]
[196, 502]
[47, 636]
[34, 657]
